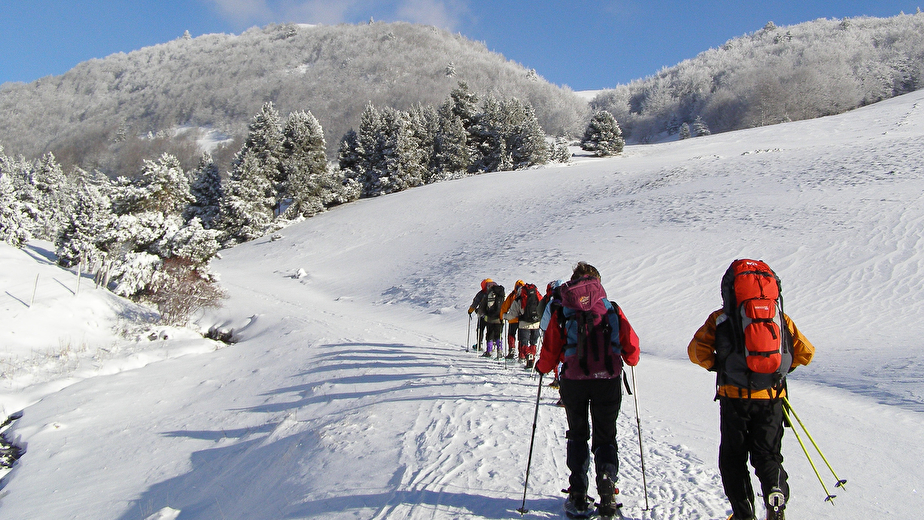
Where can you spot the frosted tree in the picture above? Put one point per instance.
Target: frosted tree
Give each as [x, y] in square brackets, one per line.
[464, 104]
[207, 191]
[700, 128]
[166, 186]
[524, 136]
[14, 219]
[191, 241]
[247, 208]
[488, 138]
[603, 136]
[559, 152]
[305, 164]
[402, 164]
[685, 131]
[348, 153]
[424, 123]
[369, 150]
[53, 199]
[451, 155]
[264, 146]
[78, 240]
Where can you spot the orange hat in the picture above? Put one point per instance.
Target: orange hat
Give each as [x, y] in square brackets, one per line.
[485, 282]
[520, 283]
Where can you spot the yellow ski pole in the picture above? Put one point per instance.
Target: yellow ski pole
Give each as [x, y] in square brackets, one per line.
[840, 482]
[830, 497]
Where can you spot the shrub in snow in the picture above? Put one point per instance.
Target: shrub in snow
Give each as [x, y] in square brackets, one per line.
[181, 289]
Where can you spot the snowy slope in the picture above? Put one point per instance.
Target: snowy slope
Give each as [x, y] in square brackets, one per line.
[349, 394]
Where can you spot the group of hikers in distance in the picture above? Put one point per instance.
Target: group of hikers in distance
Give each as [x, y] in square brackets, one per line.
[750, 343]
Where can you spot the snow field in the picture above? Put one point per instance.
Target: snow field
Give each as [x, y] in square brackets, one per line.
[349, 393]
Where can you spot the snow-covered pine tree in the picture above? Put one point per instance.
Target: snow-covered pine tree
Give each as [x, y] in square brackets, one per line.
[525, 139]
[424, 122]
[451, 155]
[685, 131]
[53, 198]
[348, 154]
[79, 238]
[264, 144]
[603, 136]
[700, 128]
[464, 104]
[247, 208]
[14, 219]
[305, 164]
[369, 151]
[488, 138]
[207, 191]
[167, 186]
[192, 242]
[560, 152]
[403, 165]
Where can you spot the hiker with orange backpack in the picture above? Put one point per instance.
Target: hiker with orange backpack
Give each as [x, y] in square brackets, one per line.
[751, 344]
[513, 321]
[524, 307]
[592, 338]
[476, 303]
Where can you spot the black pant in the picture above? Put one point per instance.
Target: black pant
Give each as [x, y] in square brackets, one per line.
[603, 397]
[751, 427]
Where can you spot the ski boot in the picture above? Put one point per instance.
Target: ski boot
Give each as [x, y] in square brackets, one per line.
[608, 507]
[776, 503]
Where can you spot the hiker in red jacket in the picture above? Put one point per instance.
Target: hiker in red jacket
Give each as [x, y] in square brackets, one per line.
[592, 338]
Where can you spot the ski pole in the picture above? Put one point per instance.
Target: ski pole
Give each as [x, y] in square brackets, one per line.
[840, 482]
[829, 497]
[468, 332]
[529, 459]
[641, 453]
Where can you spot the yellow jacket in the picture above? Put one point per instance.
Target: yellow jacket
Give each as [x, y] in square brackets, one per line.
[509, 303]
[702, 352]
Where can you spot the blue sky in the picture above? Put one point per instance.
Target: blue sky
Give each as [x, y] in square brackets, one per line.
[583, 44]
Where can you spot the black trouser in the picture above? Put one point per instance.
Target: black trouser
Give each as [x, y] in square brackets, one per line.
[482, 324]
[603, 397]
[494, 331]
[751, 427]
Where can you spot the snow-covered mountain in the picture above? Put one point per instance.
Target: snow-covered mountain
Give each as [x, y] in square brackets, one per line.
[349, 393]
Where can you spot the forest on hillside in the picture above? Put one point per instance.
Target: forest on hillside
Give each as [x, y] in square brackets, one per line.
[190, 94]
[112, 113]
[776, 74]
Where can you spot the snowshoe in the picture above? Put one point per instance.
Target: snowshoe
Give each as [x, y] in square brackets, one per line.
[578, 506]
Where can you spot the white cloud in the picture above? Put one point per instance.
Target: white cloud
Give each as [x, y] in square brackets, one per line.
[243, 11]
[446, 14]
